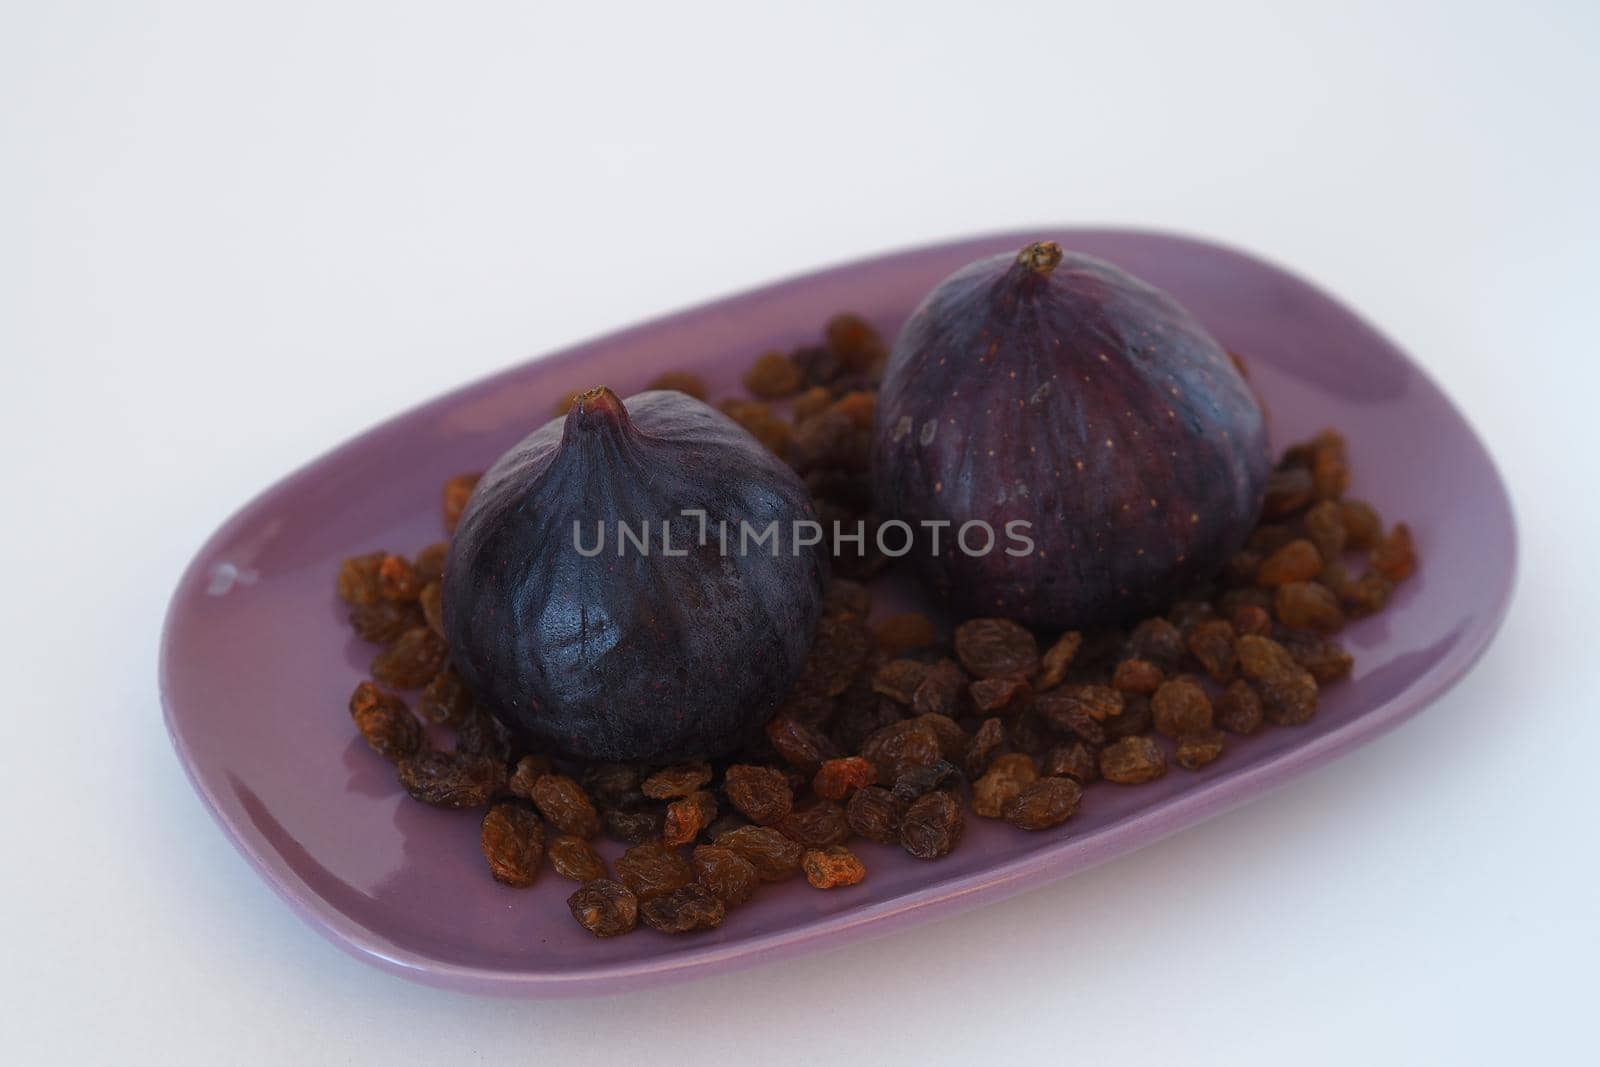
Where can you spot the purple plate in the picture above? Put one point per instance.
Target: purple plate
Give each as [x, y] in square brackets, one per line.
[257, 661]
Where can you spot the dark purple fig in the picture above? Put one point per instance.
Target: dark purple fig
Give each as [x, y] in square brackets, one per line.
[590, 602]
[1056, 391]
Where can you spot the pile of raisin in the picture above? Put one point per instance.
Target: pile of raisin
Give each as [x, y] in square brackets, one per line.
[895, 731]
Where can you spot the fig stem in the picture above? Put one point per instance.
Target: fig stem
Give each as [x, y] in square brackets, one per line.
[594, 409]
[1041, 257]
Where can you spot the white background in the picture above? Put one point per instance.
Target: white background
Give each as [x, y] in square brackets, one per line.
[231, 237]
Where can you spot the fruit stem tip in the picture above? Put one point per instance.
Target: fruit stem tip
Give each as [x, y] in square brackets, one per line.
[1041, 257]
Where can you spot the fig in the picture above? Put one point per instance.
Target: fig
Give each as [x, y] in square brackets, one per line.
[1100, 449]
[627, 583]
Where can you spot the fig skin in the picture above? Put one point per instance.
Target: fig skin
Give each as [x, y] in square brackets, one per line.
[1055, 388]
[636, 656]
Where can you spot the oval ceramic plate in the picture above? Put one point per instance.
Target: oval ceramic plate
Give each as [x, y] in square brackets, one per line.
[257, 661]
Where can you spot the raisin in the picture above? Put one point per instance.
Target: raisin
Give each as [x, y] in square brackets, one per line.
[686, 909]
[1080, 709]
[452, 779]
[802, 747]
[1053, 665]
[774, 856]
[382, 621]
[952, 738]
[1132, 761]
[445, 699]
[772, 376]
[1250, 619]
[841, 647]
[565, 805]
[1187, 614]
[1326, 660]
[899, 747]
[919, 780]
[611, 784]
[604, 908]
[1396, 555]
[529, 769]
[1158, 641]
[564, 405]
[811, 402]
[1241, 567]
[1197, 750]
[457, 491]
[1288, 491]
[727, 875]
[1043, 803]
[1297, 561]
[853, 340]
[573, 857]
[632, 827]
[1330, 472]
[760, 422]
[1211, 643]
[859, 405]
[513, 842]
[828, 439]
[687, 817]
[653, 868]
[762, 794]
[1072, 761]
[996, 648]
[1181, 707]
[1137, 717]
[940, 690]
[836, 779]
[430, 562]
[1001, 784]
[898, 679]
[397, 579]
[986, 742]
[1367, 595]
[358, 578]
[1269, 537]
[682, 382]
[1137, 676]
[832, 867]
[385, 722]
[818, 826]
[677, 781]
[1325, 527]
[431, 601]
[1238, 709]
[412, 661]
[996, 694]
[1308, 606]
[479, 734]
[874, 813]
[901, 633]
[932, 826]
[1288, 691]
[1362, 525]
[818, 364]
[860, 719]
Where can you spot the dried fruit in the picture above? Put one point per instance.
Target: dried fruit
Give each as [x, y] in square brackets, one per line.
[1326, 660]
[681, 381]
[1308, 606]
[1197, 750]
[573, 857]
[1181, 707]
[513, 842]
[874, 813]
[729, 876]
[1135, 393]
[900, 746]
[1395, 557]
[1057, 659]
[832, 867]
[799, 745]
[457, 492]
[382, 621]
[565, 805]
[1137, 676]
[842, 645]
[445, 700]
[773, 377]
[385, 722]
[687, 817]
[597, 656]
[397, 579]
[1043, 803]
[651, 869]
[678, 780]
[452, 779]
[1324, 524]
[632, 826]
[986, 743]
[996, 648]
[1288, 691]
[1073, 761]
[996, 694]
[940, 690]
[916, 781]
[901, 633]
[412, 661]
[1157, 640]
[774, 856]
[604, 908]
[818, 826]
[932, 826]
[899, 679]
[1362, 525]
[1297, 561]
[762, 794]
[1238, 709]
[1212, 644]
[1288, 490]
[1002, 783]
[691, 907]
[1132, 761]
[836, 779]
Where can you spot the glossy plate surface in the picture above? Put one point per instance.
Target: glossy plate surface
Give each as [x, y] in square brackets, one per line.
[257, 660]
